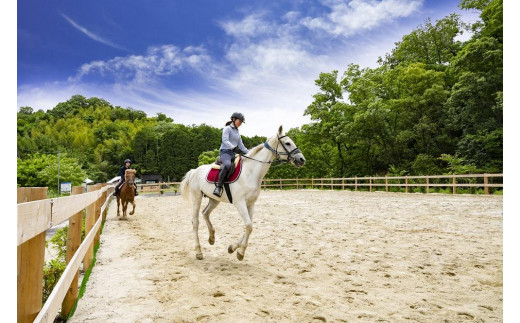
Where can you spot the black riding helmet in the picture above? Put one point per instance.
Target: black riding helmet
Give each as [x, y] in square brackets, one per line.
[127, 161]
[238, 116]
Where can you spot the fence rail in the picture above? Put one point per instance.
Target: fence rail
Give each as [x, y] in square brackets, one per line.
[431, 181]
[485, 181]
[35, 215]
[159, 187]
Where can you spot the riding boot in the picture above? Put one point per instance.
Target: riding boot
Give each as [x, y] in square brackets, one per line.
[135, 191]
[218, 190]
[221, 177]
[116, 191]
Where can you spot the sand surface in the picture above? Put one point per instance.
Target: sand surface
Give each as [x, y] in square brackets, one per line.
[334, 256]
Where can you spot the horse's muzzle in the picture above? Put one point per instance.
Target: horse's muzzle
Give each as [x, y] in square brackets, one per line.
[299, 160]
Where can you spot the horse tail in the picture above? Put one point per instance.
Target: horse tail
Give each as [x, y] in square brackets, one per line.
[185, 185]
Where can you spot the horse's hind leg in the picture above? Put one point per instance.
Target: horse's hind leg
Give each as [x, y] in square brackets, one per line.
[196, 199]
[212, 204]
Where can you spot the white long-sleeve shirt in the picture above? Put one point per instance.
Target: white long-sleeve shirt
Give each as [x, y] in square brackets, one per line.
[231, 138]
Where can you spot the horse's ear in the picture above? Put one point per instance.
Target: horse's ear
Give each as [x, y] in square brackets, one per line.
[280, 130]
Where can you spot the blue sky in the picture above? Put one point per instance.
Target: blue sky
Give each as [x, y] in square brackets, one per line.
[199, 61]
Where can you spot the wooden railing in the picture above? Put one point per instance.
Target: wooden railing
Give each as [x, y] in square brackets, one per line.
[159, 187]
[36, 214]
[484, 181]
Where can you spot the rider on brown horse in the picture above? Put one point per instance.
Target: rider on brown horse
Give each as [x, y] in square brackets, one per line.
[122, 170]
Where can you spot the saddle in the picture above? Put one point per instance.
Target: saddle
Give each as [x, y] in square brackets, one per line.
[236, 169]
[218, 162]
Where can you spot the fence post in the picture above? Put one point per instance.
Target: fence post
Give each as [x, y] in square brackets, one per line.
[322, 183]
[406, 184]
[98, 204]
[297, 183]
[73, 243]
[370, 184]
[386, 182]
[105, 196]
[355, 183]
[90, 220]
[427, 185]
[454, 185]
[486, 188]
[332, 184]
[312, 183]
[343, 184]
[30, 261]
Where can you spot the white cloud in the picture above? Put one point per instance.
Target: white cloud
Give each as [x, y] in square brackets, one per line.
[253, 25]
[347, 19]
[158, 61]
[91, 34]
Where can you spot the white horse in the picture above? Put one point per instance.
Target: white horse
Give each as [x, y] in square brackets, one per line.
[244, 190]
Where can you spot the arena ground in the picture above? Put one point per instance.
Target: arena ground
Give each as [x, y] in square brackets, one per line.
[332, 256]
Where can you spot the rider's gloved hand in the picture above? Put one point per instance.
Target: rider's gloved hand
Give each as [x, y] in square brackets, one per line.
[237, 150]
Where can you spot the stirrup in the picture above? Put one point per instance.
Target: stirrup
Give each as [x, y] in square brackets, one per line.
[218, 191]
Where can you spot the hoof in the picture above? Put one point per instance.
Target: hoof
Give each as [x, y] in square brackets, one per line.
[211, 240]
[230, 249]
[240, 256]
[199, 256]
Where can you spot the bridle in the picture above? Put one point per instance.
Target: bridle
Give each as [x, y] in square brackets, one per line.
[278, 154]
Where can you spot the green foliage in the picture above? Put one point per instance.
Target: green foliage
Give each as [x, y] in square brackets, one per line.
[51, 274]
[41, 170]
[54, 268]
[457, 165]
[208, 157]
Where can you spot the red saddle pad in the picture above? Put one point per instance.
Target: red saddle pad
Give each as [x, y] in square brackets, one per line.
[212, 175]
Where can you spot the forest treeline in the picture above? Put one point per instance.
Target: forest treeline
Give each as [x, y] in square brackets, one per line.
[433, 105]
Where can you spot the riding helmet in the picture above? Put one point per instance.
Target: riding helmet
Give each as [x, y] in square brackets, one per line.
[127, 161]
[239, 116]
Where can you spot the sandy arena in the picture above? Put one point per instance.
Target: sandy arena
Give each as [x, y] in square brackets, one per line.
[329, 256]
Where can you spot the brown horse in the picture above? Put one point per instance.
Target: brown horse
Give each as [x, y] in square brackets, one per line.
[127, 194]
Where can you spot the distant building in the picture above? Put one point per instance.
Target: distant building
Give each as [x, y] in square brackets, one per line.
[151, 178]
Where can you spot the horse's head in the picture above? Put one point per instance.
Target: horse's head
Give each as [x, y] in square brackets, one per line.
[287, 150]
[130, 176]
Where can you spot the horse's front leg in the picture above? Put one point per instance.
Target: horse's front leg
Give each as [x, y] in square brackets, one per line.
[241, 245]
[212, 204]
[118, 201]
[125, 205]
[133, 208]
[196, 199]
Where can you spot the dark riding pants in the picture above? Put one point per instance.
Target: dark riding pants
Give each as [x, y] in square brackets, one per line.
[227, 156]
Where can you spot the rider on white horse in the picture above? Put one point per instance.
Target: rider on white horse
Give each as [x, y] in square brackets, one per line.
[231, 144]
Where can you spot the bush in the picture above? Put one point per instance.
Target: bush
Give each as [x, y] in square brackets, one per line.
[54, 268]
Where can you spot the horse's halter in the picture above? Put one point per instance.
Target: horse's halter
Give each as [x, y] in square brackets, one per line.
[289, 154]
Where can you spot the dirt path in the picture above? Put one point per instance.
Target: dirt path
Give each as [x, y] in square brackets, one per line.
[312, 256]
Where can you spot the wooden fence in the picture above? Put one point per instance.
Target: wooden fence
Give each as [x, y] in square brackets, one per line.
[36, 214]
[159, 187]
[485, 181]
